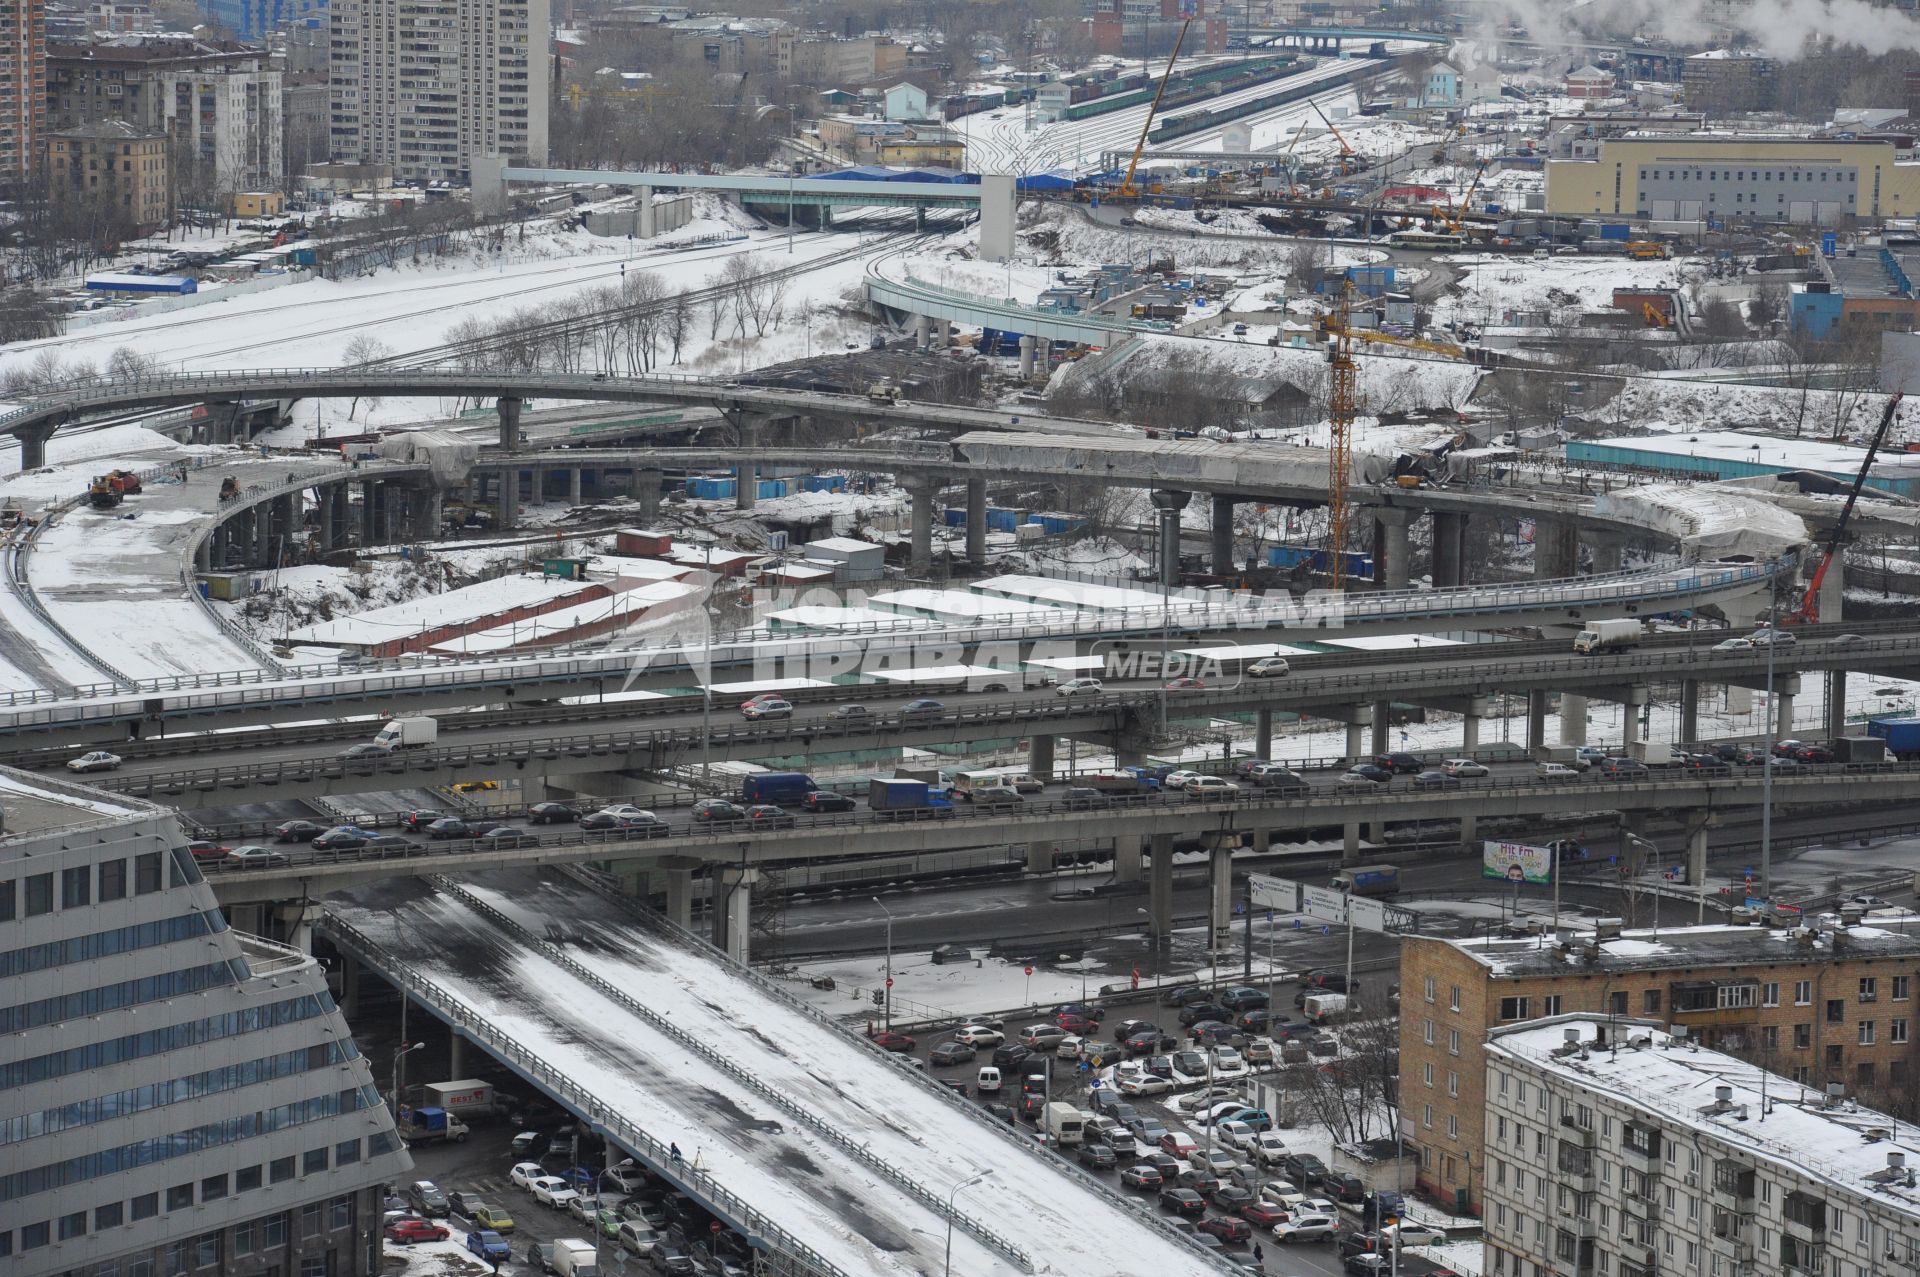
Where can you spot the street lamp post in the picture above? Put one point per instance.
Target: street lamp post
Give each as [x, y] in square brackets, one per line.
[405, 1050]
[947, 1267]
[1773, 738]
[886, 1005]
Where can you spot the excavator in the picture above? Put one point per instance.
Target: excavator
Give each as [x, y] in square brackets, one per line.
[1808, 613]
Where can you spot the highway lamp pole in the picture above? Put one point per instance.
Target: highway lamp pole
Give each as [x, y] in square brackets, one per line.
[1653, 851]
[405, 1050]
[947, 1267]
[886, 1003]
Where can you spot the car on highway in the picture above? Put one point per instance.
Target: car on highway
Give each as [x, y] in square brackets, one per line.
[298, 831]
[1622, 769]
[1356, 780]
[773, 707]
[1773, 638]
[95, 760]
[406, 1232]
[1182, 1201]
[1429, 780]
[343, 838]
[1269, 667]
[997, 796]
[1098, 1156]
[768, 816]
[449, 827]
[524, 1173]
[1464, 768]
[1211, 787]
[717, 811]
[1022, 783]
[1186, 683]
[1080, 687]
[1178, 778]
[552, 1192]
[951, 1053]
[365, 749]
[979, 1035]
[1399, 762]
[426, 1198]
[1232, 1231]
[417, 820]
[1195, 1012]
[1275, 776]
[898, 1043]
[922, 707]
[1734, 645]
[841, 713]
[1083, 798]
[552, 814]
[1302, 1227]
[825, 800]
[638, 825]
[1814, 754]
[624, 809]
[1041, 1037]
[1141, 1176]
[255, 857]
[498, 836]
[1180, 994]
[1554, 773]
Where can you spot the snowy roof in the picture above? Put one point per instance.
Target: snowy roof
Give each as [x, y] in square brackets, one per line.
[1770, 1117]
[557, 626]
[841, 545]
[433, 611]
[38, 805]
[959, 604]
[1080, 594]
[1716, 945]
[820, 617]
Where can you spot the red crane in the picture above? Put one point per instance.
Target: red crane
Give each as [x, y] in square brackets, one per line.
[1809, 610]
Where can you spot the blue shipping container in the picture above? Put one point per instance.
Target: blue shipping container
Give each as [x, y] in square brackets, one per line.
[824, 483]
[954, 518]
[1616, 230]
[1291, 556]
[705, 489]
[771, 488]
[999, 520]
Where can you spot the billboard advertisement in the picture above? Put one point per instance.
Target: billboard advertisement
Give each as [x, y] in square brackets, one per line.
[1516, 862]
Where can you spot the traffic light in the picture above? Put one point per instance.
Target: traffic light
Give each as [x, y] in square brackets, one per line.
[879, 998]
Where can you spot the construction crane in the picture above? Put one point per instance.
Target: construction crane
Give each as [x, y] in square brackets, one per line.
[1346, 151]
[1127, 190]
[1343, 405]
[1809, 610]
[1451, 218]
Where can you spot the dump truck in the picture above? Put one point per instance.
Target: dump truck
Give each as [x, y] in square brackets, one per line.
[431, 1126]
[102, 495]
[1608, 636]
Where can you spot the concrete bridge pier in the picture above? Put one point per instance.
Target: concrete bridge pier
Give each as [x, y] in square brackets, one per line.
[1040, 758]
[1689, 710]
[1573, 719]
[1449, 549]
[369, 505]
[1536, 719]
[339, 514]
[1555, 549]
[1350, 843]
[733, 911]
[677, 871]
[1835, 706]
[1160, 891]
[1391, 529]
[1357, 718]
[33, 446]
[1027, 344]
[507, 507]
[509, 406]
[1833, 591]
[1220, 892]
[746, 475]
[1040, 857]
[646, 490]
[573, 486]
[1129, 855]
[919, 332]
[1220, 550]
[920, 511]
[427, 509]
[1470, 723]
[1607, 552]
[1169, 504]
[1263, 734]
[1784, 690]
[1382, 726]
[977, 522]
[1469, 831]
[1697, 825]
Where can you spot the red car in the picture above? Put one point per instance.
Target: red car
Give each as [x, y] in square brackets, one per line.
[1186, 685]
[1227, 1229]
[409, 1231]
[1079, 1024]
[894, 1042]
[209, 850]
[1263, 1214]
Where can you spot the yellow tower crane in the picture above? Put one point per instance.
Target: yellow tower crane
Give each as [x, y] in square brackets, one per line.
[1343, 405]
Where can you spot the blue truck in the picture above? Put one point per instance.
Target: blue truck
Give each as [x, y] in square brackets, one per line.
[901, 799]
[1368, 880]
[782, 789]
[1902, 735]
[430, 1126]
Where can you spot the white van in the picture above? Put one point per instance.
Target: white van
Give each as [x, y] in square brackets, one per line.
[1064, 1123]
[988, 1082]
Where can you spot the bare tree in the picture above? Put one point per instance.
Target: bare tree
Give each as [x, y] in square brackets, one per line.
[363, 349]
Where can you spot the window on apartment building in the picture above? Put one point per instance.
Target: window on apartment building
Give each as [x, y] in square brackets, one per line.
[1514, 1008]
[1770, 1037]
[1803, 1074]
[1617, 1002]
[1897, 1030]
[1426, 1073]
[1902, 988]
[1453, 998]
[1426, 1116]
[1836, 1010]
[1431, 988]
[1650, 1001]
[1833, 1057]
[1802, 1036]
[1453, 1041]
[1866, 1033]
[113, 880]
[1732, 995]
[1803, 993]
[1453, 1127]
[1500, 1080]
[1453, 1083]
[1869, 989]
[39, 894]
[1426, 1032]
[1550, 1005]
[1770, 994]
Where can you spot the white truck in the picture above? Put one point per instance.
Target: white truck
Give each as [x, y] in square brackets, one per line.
[1608, 636]
[573, 1257]
[1327, 1008]
[1652, 753]
[466, 1098]
[408, 733]
[1063, 1124]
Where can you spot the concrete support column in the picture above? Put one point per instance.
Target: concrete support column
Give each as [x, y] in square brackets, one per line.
[1449, 549]
[203, 554]
[428, 509]
[1689, 711]
[1536, 719]
[1220, 548]
[286, 521]
[262, 519]
[1697, 856]
[573, 486]
[1836, 703]
[1026, 357]
[1573, 719]
[1043, 355]
[1040, 758]
[1470, 723]
[920, 332]
[1169, 504]
[1040, 857]
[1392, 568]
[679, 895]
[1382, 726]
[509, 407]
[1263, 734]
[349, 987]
[920, 556]
[977, 522]
[1160, 889]
[368, 506]
[1607, 553]
[649, 224]
[33, 447]
[646, 490]
[508, 511]
[456, 1054]
[1129, 855]
[1220, 899]
[1555, 549]
[1469, 830]
[1783, 713]
[1833, 592]
[1350, 843]
[733, 912]
[746, 475]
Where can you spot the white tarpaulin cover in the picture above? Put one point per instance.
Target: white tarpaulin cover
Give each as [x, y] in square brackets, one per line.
[447, 457]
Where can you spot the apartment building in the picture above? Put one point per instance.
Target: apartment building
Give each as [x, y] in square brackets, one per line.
[23, 85]
[1737, 177]
[120, 165]
[1618, 1148]
[176, 1096]
[428, 85]
[1820, 1006]
[218, 103]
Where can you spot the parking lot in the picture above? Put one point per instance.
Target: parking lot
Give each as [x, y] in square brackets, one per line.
[1260, 1175]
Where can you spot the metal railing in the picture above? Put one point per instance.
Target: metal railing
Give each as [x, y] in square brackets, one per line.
[603, 1116]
